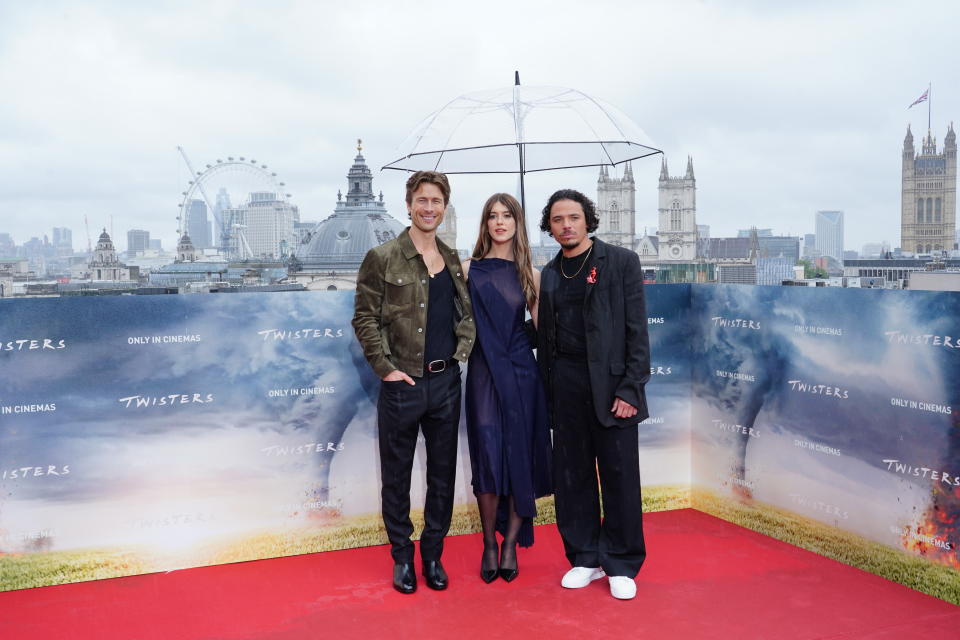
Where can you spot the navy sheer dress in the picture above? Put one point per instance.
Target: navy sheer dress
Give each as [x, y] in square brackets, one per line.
[506, 406]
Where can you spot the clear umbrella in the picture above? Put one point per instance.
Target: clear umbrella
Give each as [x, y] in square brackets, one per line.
[520, 130]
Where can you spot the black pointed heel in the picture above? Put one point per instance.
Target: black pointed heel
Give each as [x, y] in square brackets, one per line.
[506, 573]
[486, 574]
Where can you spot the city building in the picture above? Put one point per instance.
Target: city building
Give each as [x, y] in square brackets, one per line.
[810, 246]
[773, 271]
[940, 280]
[737, 273]
[829, 236]
[874, 249]
[896, 271]
[728, 249]
[186, 252]
[677, 229]
[262, 228]
[648, 249]
[63, 241]
[266, 226]
[198, 225]
[703, 230]
[8, 248]
[186, 270]
[771, 246]
[761, 233]
[138, 241]
[447, 231]
[41, 254]
[616, 208]
[838, 281]
[332, 257]
[928, 205]
[105, 265]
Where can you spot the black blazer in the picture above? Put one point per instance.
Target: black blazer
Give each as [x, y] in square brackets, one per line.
[615, 317]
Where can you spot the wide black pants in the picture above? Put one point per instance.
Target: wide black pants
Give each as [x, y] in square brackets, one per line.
[582, 447]
[433, 405]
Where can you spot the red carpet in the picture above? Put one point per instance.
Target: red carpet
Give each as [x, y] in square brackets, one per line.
[704, 578]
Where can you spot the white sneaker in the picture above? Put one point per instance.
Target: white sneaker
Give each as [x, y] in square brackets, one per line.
[579, 577]
[622, 587]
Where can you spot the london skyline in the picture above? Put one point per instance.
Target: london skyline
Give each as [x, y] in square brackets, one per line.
[786, 111]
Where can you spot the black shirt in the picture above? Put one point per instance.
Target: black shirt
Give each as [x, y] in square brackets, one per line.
[571, 332]
[441, 338]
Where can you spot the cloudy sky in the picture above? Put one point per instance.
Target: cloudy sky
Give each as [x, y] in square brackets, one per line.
[785, 110]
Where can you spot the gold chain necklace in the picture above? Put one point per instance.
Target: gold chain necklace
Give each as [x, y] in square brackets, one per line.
[582, 265]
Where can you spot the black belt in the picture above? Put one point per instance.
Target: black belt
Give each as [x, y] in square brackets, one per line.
[436, 366]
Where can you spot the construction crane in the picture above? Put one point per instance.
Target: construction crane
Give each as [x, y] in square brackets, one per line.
[203, 192]
[86, 226]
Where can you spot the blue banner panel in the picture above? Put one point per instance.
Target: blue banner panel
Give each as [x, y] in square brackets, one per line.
[833, 406]
[166, 422]
[665, 435]
[147, 433]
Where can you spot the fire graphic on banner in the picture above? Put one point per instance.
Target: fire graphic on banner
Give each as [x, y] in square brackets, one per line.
[937, 537]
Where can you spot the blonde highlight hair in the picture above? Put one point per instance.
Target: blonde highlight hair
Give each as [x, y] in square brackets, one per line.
[522, 258]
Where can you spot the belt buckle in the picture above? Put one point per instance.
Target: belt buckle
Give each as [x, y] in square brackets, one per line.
[442, 364]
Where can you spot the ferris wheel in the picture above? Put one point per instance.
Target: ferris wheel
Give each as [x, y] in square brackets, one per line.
[258, 176]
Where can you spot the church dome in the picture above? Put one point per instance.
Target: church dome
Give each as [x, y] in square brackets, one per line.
[340, 242]
[358, 224]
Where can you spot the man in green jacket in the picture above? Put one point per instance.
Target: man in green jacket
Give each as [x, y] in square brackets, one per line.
[413, 319]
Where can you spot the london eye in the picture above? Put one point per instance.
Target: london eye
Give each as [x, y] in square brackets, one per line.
[240, 174]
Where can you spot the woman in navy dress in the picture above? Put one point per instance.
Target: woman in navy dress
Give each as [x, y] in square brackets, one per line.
[506, 408]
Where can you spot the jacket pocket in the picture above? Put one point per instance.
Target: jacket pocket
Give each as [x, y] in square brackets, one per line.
[399, 291]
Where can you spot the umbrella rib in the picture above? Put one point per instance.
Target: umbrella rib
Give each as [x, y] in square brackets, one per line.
[427, 122]
[652, 151]
[556, 97]
[469, 113]
[604, 111]
[595, 164]
[466, 108]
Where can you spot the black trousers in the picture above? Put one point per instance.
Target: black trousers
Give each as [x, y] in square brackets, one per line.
[433, 405]
[582, 448]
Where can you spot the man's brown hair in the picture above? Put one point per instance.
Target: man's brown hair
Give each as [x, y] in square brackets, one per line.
[432, 177]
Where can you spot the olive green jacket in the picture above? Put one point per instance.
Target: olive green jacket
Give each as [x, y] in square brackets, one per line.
[390, 308]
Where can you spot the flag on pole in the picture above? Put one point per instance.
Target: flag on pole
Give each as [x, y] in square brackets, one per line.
[922, 98]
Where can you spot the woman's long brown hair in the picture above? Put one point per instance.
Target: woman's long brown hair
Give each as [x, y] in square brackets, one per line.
[521, 245]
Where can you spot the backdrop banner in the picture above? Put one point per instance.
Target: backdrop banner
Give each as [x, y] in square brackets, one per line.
[149, 433]
[830, 418]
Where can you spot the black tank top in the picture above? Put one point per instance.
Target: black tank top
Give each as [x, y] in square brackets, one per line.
[441, 339]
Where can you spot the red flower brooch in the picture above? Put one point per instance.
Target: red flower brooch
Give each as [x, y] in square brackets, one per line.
[592, 278]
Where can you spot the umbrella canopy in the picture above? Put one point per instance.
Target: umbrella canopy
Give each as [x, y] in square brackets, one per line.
[522, 129]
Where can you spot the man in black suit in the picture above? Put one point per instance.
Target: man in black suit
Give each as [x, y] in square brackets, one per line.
[592, 319]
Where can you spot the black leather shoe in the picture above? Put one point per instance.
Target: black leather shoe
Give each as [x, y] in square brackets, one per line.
[435, 575]
[489, 563]
[404, 577]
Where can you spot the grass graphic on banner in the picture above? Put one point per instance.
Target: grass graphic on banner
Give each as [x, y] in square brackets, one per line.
[27, 570]
[367, 530]
[846, 547]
